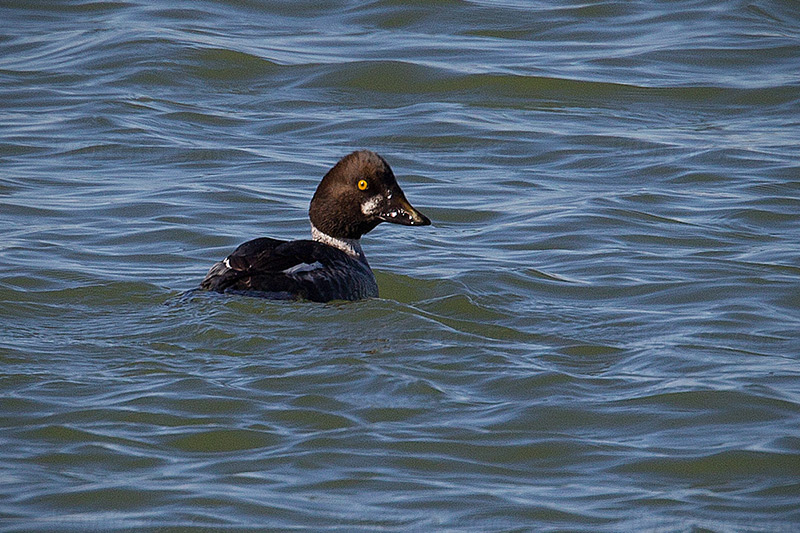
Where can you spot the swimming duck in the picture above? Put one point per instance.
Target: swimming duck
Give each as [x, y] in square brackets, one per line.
[356, 195]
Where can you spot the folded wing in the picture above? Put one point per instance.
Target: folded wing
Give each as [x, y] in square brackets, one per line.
[305, 269]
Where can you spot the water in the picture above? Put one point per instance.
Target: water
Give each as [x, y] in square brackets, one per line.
[599, 332]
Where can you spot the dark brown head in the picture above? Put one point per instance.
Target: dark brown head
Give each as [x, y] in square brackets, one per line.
[359, 193]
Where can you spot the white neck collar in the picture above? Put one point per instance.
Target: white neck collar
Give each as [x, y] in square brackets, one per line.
[351, 247]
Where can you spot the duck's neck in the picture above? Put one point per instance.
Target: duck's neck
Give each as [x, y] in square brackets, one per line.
[351, 247]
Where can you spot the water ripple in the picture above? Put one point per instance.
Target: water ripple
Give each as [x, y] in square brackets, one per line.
[598, 332]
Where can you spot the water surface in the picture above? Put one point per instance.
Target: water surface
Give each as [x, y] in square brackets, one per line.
[599, 332]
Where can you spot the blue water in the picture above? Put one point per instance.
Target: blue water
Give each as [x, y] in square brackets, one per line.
[599, 332]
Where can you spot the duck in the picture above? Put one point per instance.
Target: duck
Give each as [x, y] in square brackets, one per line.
[354, 196]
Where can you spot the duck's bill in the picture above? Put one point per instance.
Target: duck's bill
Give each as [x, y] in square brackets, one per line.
[401, 212]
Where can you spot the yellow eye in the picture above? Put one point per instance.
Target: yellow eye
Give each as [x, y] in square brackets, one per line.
[362, 185]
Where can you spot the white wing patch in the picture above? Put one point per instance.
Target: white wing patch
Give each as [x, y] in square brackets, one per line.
[303, 267]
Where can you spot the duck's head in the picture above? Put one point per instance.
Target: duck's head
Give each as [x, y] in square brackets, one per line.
[359, 193]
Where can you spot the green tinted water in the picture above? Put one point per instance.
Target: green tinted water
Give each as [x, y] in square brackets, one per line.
[599, 331]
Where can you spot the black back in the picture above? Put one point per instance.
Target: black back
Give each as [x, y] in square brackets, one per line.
[304, 269]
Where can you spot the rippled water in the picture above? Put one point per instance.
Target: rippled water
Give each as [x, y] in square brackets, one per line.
[600, 331]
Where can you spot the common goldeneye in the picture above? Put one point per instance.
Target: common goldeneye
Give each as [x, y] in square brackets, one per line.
[356, 195]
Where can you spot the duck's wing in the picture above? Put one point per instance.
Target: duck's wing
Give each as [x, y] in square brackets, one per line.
[240, 263]
[285, 270]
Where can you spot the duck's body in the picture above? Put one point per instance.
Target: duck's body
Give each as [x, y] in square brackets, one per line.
[356, 195]
[291, 270]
